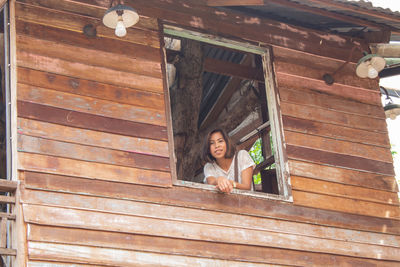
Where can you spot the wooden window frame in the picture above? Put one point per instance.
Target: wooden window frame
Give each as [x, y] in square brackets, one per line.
[275, 117]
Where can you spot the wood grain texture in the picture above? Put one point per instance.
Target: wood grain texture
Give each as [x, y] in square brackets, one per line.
[313, 66]
[76, 22]
[90, 105]
[338, 146]
[352, 93]
[93, 89]
[94, 11]
[91, 154]
[90, 57]
[343, 176]
[182, 229]
[322, 100]
[338, 132]
[92, 138]
[345, 191]
[150, 210]
[91, 170]
[191, 247]
[91, 122]
[84, 71]
[334, 117]
[195, 15]
[202, 199]
[101, 256]
[346, 205]
[339, 160]
[101, 44]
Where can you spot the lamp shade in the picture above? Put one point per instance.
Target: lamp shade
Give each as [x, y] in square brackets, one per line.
[127, 14]
[392, 110]
[369, 66]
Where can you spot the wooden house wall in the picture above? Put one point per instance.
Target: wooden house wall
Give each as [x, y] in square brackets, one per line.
[94, 160]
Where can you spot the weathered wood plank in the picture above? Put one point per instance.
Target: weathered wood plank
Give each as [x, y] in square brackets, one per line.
[58, 264]
[335, 131]
[166, 212]
[8, 252]
[188, 230]
[235, 2]
[78, 39]
[89, 153]
[339, 160]
[97, 255]
[90, 105]
[345, 205]
[3, 232]
[8, 186]
[94, 73]
[334, 117]
[7, 199]
[343, 176]
[346, 92]
[89, 56]
[88, 11]
[7, 215]
[196, 15]
[91, 170]
[338, 146]
[91, 88]
[331, 102]
[190, 247]
[313, 66]
[346, 191]
[92, 138]
[203, 199]
[76, 22]
[91, 122]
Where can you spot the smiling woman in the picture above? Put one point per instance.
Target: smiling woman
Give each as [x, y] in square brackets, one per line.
[226, 169]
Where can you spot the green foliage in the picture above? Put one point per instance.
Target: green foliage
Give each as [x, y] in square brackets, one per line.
[256, 154]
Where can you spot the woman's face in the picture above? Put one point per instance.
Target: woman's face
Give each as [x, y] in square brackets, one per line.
[217, 145]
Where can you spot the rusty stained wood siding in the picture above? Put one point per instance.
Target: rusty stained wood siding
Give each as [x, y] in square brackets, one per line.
[94, 163]
[89, 107]
[336, 137]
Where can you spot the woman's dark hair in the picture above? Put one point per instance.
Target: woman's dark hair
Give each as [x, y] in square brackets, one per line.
[230, 147]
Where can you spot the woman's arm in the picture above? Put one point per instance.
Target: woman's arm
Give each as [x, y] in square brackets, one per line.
[222, 183]
[247, 175]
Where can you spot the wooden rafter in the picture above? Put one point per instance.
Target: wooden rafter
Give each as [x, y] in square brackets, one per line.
[224, 97]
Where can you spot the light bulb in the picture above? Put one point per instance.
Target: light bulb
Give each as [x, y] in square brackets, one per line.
[120, 30]
[372, 73]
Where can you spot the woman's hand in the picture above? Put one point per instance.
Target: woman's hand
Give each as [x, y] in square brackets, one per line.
[224, 185]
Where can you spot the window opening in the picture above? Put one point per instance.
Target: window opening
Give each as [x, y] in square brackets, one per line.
[220, 84]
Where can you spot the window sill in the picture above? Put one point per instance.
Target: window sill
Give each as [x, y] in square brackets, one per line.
[235, 191]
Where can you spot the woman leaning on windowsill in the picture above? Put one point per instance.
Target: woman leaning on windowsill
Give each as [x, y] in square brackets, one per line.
[219, 153]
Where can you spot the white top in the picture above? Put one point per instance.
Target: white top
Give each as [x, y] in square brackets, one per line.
[244, 161]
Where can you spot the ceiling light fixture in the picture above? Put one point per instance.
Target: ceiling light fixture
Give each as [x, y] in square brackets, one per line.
[370, 65]
[391, 110]
[120, 17]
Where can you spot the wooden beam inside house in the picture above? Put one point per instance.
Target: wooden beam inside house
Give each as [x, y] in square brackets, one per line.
[224, 97]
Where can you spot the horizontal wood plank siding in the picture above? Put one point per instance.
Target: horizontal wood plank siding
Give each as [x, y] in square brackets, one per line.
[340, 128]
[89, 108]
[93, 151]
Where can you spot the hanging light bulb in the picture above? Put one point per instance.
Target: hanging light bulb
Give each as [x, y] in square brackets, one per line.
[372, 73]
[120, 17]
[120, 29]
[370, 65]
